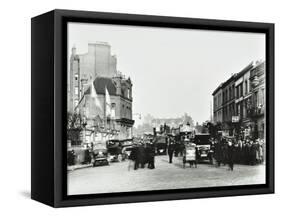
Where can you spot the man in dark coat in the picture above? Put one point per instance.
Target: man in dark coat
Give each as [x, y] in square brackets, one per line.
[252, 153]
[133, 157]
[247, 152]
[141, 156]
[150, 154]
[88, 157]
[224, 151]
[230, 154]
[171, 149]
[218, 152]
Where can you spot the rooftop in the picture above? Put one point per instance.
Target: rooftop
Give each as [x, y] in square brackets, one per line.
[100, 83]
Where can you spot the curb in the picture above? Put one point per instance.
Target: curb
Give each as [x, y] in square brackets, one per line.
[79, 167]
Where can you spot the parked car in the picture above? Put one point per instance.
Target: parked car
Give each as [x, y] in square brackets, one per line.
[100, 154]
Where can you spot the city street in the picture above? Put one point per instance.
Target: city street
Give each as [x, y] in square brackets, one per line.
[118, 178]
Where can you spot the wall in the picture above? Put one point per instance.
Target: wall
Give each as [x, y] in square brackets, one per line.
[217, 106]
[15, 167]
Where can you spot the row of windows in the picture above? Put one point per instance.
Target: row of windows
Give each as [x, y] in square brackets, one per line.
[126, 111]
[259, 98]
[217, 100]
[243, 89]
[229, 111]
[218, 116]
[239, 90]
[228, 93]
[241, 108]
[231, 92]
[126, 93]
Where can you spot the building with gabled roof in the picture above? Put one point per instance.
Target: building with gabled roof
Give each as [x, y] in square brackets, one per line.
[98, 69]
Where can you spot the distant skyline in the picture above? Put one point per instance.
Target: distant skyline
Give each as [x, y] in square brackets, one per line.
[173, 71]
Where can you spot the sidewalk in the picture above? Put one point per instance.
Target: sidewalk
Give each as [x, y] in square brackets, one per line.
[78, 166]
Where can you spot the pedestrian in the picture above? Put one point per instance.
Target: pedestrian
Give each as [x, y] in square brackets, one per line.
[240, 151]
[133, 157]
[189, 154]
[235, 151]
[218, 152]
[252, 153]
[141, 156]
[247, 157]
[88, 157]
[211, 152]
[230, 155]
[71, 157]
[171, 149]
[256, 156]
[224, 151]
[150, 153]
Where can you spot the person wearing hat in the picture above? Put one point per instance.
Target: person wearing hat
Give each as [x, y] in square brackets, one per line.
[141, 155]
[150, 155]
[133, 157]
[171, 149]
[218, 152]
[230, 154]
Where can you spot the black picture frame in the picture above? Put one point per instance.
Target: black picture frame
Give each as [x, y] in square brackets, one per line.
[48, 108]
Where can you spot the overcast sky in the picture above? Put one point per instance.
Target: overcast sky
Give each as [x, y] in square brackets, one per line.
[173, 70]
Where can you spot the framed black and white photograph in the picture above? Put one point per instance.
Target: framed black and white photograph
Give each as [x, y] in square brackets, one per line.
[143, 108]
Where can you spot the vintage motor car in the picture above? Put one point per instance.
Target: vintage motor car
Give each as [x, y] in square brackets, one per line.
[126, 152]
[100, 154]
[127, 147]
[203, 144]
[114, 148]
[160, 143]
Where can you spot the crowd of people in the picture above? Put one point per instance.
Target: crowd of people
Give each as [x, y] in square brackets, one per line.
[223, 151]
[142, 154]
[242, 151]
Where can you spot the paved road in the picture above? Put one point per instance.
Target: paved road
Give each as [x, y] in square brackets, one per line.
[117, 177]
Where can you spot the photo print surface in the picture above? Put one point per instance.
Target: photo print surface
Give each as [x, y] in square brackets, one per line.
[152, 108]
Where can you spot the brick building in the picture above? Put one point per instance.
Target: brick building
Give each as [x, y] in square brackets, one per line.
[243, 96]
[98, 61]
[228, 105]
[243, 102]
[93, 78]
[257, 106]
[217, 105]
